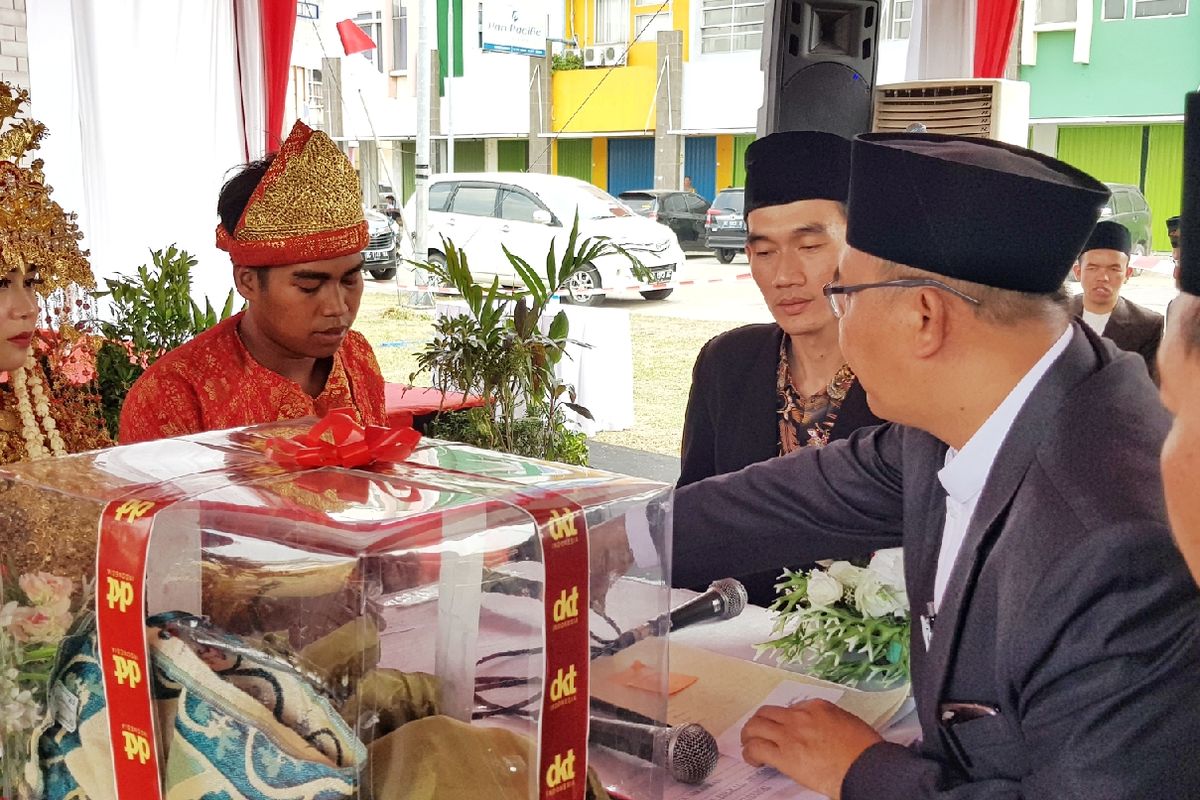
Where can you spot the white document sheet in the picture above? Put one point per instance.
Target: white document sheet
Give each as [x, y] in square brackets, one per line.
[733, 778]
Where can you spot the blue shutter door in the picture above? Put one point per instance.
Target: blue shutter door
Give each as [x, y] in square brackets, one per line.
[700, 161]
[630, 165]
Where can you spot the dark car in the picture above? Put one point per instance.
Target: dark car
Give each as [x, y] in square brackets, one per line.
[725, 226]
[682, 212]
[380, 255]
[1129, 207]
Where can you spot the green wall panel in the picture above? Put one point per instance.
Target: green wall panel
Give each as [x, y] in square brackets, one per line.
[575, 158]
[408, 163]
[513, 155]
[1111, 153]
[468, 155]
[1164, 178]
[740, 143]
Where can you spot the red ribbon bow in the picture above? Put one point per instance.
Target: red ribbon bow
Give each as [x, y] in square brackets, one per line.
[338, 440]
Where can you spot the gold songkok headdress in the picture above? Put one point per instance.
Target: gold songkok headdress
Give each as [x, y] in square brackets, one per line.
[307, 207]
[35, 232]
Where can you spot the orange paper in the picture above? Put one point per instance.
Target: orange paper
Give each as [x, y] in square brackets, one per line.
[639, 676]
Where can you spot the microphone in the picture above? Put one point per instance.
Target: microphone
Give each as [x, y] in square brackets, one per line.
[688, 752]
[725, 599]
[623, 713]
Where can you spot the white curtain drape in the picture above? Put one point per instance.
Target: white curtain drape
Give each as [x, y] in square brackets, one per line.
[143, 99]
[942, 42]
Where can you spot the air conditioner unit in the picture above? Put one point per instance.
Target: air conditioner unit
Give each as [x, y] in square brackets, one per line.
[613, 54]
[988, 109]
[573, 52]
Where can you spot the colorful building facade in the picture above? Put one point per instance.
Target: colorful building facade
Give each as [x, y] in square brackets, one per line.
[1107, 80]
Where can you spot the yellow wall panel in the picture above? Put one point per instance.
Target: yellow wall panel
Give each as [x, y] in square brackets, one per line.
[600, 162]
[643, 53]
[680, 23]
[554, 156]
[623, 102]
[724, 161]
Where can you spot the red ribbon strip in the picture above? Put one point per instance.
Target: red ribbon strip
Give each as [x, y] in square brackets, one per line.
[338, 440]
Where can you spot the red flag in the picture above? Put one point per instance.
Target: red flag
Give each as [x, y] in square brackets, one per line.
[354, 40]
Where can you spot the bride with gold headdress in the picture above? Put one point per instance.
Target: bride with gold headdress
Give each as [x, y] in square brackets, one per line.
[45, 407]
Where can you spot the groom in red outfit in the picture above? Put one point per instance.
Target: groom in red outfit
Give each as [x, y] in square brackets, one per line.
[293, 226]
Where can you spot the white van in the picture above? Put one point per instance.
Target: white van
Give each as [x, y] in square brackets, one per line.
[481, 211]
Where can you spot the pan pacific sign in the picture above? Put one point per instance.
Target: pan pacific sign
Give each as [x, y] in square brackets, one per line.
[515, 26]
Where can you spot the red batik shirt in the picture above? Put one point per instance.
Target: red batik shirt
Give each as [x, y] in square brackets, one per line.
[213, 383]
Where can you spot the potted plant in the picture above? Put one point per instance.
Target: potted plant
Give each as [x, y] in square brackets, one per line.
[499, 351]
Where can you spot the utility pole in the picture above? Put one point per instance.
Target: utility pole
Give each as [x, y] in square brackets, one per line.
[420, 297]
[426, 9]
[449, 79]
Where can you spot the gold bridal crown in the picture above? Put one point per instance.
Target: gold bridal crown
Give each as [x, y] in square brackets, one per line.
[35, 232]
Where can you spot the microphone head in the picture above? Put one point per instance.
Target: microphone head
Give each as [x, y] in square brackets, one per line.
[691, 753]
[733, 596]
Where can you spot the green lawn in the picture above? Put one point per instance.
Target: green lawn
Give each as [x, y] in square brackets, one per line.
[396, 333]
[664, 349]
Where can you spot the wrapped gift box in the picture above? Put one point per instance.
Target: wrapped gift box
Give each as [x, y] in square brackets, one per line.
[417, 628]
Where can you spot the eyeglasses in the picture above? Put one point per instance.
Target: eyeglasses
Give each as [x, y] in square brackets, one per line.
[837, 294]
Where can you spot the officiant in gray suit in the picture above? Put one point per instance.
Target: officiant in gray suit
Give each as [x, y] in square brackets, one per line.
[1056, 630]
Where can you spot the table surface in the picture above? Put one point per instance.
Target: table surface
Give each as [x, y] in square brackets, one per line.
[402, 403]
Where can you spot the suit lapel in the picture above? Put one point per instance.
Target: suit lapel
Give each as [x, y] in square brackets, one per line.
[1076, 305]
[1118, 321]
[1016, 454]
[921, 556]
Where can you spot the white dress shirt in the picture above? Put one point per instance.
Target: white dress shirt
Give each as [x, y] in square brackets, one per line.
[1097, 322]
[966, 471]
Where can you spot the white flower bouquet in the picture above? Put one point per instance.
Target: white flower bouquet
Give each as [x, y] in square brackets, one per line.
[36, 612]
[845, 623]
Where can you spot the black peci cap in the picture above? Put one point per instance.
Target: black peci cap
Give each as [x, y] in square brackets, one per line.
[1109, 235]
[1189, 221]
[790, 166]
[972, 209]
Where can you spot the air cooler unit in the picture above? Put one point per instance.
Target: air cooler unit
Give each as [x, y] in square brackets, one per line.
[988, 109]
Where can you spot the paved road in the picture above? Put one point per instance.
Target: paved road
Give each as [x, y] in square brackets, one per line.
[738, 300]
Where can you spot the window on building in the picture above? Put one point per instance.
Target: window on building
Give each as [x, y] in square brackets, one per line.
[899, 24]
[1056, 12]
[1113, 9]
[1159, 8]
[316, 94]
[612, 21]
[399, 36]
[646, 26]
[729, 25]
[371, 23]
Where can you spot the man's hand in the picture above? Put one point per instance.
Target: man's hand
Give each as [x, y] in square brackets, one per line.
[813, 742]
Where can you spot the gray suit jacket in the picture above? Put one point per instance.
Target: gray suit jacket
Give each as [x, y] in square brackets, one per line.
[1132, 328]
[1069, 608]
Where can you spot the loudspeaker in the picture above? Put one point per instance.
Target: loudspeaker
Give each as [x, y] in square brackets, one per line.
[820, 66]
